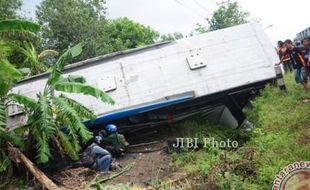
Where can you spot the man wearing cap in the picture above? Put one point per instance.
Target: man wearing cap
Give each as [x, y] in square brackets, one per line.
[112, 140]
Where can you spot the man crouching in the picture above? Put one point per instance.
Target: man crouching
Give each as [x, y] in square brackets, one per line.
[96, 157]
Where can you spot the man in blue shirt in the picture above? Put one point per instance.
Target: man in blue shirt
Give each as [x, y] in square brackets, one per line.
[103, 158]
[96, 157]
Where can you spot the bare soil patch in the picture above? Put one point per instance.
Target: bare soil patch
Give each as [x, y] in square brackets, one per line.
[151, 165]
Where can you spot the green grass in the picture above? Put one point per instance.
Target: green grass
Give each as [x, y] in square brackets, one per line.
[281, 137]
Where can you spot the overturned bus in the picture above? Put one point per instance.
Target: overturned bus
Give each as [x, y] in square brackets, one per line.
[217, 73]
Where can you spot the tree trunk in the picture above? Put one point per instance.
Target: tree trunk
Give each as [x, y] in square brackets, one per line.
[18, 156]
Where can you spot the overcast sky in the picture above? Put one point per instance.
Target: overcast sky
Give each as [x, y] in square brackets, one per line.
[167, 16]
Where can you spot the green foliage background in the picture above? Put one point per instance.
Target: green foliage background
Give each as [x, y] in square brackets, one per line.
[225, 16]
[85, 21]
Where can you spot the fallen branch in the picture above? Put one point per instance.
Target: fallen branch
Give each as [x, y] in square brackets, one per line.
[143, 144]
[36, 172]
[114, 175]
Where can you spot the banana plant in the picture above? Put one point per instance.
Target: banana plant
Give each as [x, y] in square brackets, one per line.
[17, 37]
[33, 60]
[49, 114]
[18, 29]
[10, 30]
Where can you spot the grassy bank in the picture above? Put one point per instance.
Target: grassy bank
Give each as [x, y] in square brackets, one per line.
[281, 137]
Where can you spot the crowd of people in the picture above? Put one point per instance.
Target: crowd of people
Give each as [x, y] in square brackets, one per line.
[296, 59]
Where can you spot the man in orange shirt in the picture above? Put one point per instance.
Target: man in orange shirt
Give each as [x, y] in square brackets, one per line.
[284, 57]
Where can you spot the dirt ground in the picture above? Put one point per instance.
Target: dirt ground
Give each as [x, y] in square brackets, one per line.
[149, 166]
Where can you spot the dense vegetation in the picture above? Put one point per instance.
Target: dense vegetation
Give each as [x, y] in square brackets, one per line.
[48, 114]
[86, 21]
[9, 8]
[281, 137]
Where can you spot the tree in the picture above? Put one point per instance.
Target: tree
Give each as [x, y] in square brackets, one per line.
[225, 16]
[124, 33]
[172, 37]
[68, 22]
[9, 8]
[50, 113]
